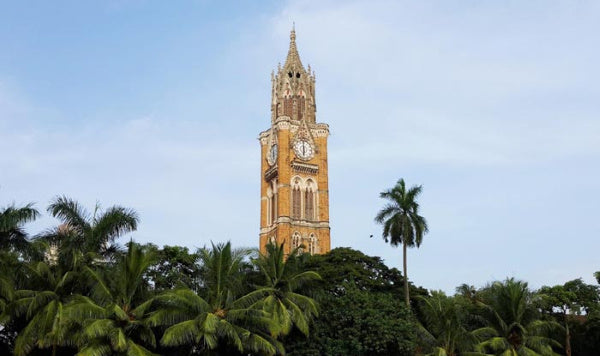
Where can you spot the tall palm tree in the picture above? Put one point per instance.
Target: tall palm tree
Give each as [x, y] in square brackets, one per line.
[112, 318]
[12, 234]
[514, 328]
[401, 221]
[82, 234]
[283, 278]
[224, 317]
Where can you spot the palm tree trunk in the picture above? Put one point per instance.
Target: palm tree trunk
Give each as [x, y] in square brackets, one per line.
[406, 296]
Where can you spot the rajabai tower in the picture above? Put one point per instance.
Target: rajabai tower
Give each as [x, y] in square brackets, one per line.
[294, 204]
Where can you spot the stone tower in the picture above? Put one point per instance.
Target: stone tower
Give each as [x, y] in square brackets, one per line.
[294, 204]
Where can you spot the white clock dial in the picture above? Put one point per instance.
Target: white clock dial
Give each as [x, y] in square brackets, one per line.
[303, 149]
[272, 155]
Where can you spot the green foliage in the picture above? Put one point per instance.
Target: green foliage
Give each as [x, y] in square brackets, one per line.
[443, 324]
[175, 267]
[96, 299]
[585, 334]
[282, 302]
[513, 323]
[225, 318]
[360, 312]
[344, 265]
[12, 234]
[44, 309]
[112, 318]
[358, 322]
[575, 305]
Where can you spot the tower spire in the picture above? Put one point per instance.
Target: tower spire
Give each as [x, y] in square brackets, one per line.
[293, 58]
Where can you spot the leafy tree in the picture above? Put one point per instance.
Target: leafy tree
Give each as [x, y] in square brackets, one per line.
[514, 326]
[343, 264]
[175, 267]
[222, 320]
[587, 296]
[359, 313]
[585, 333]
[402, 223]
[566, 301]
[558, 300]
[282, 302]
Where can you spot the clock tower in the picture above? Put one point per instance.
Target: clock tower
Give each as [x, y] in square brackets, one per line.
[294, 188]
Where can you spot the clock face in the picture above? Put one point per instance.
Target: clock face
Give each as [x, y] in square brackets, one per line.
[272, 155]
[303, 149]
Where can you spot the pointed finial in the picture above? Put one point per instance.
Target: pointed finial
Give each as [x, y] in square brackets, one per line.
[293, 59]
[293, 34]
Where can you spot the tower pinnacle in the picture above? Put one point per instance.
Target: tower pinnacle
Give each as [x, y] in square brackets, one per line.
[293, 58]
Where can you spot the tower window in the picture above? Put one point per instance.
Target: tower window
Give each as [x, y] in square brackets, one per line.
[296, 203]
[297, 75]
[290, 74]
[301, 105]
[288, 107]
[309, 204]
[269, 206]
[274, 208]
[297, 241]
[313, 246]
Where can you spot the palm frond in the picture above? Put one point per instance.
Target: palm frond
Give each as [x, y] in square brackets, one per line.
[70, 212]
[186, 332]
[115, 222]
[134, 349]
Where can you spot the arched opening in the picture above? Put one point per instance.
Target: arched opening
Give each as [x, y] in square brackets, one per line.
[288, 106]
[269, 206]
[301, 102]
[309, 210]
[310, 201]
[297, 241]
[273, 200]
[296, 199]
[313, 246]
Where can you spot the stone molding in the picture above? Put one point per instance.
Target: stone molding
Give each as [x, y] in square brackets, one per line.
[271, 173]
[305, 167]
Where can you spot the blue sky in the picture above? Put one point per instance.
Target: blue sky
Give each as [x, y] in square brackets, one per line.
[492, 106]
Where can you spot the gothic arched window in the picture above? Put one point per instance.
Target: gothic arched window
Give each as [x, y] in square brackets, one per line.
[301, 107]
[296, 203]
[288, 106]
[273, 200]
[296, 240]
[269, 206]
[310, 201]
[313, 246]
[309, 204]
